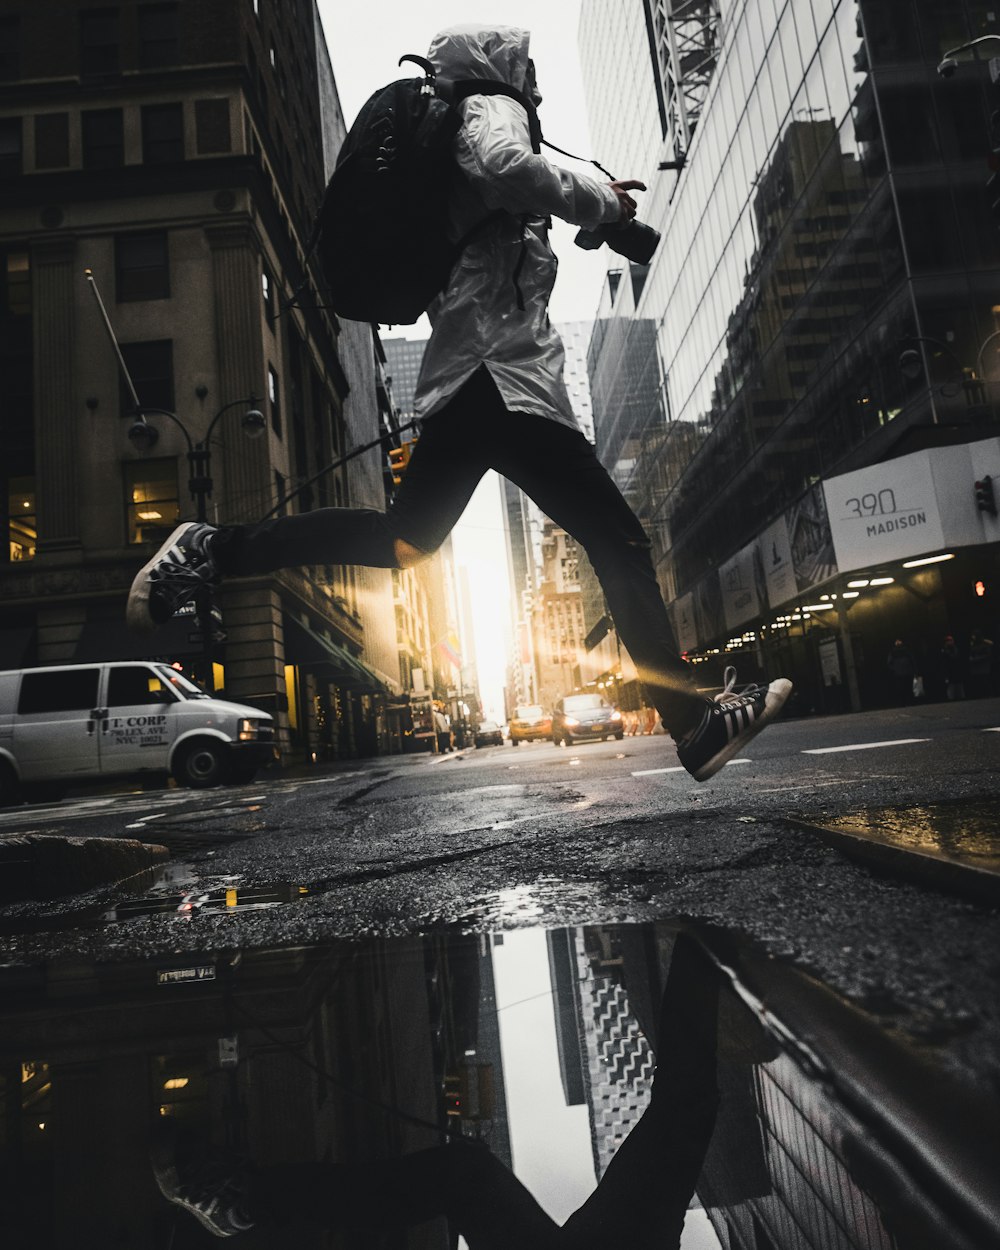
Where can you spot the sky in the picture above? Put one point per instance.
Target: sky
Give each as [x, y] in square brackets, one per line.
[366, 42]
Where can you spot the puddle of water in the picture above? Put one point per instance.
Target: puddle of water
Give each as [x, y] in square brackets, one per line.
[173, 890]
[544, 1047]
[967, 831]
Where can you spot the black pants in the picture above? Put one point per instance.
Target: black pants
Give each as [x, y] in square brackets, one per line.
[554, 465]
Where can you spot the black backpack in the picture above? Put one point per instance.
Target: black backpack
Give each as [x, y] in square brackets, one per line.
[381, 233]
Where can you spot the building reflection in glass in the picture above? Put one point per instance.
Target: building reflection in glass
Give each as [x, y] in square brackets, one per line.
[346, 1069]
[832, 207]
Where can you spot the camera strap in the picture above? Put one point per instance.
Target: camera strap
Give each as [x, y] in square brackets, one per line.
[587, 160]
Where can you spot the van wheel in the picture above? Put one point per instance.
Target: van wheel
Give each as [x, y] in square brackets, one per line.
[200, 765]
[10, 789]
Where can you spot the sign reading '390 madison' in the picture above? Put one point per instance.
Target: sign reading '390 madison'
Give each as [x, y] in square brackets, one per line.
[885, 512]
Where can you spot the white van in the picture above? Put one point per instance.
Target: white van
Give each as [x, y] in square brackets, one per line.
[61, 724]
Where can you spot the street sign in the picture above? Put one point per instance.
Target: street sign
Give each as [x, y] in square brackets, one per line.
[218, 635]
[191, 609]
[185, 976]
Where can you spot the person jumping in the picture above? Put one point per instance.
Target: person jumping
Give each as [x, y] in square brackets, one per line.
[491, 395]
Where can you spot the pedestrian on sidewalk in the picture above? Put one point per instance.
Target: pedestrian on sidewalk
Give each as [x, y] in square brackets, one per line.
[953, 669]
[902, 673]
[491, 395]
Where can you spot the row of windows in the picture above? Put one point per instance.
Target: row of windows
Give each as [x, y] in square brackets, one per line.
[156, 33]
[102, 136]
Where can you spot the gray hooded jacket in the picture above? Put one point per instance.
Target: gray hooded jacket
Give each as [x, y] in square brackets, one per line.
[476, 320]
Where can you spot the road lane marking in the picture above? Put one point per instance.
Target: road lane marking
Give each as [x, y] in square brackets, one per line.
[678, 768]
[863, 746]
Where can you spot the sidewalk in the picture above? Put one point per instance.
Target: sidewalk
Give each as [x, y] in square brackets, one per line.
[953, 846]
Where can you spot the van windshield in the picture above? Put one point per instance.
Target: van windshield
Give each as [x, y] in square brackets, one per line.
[179, 683]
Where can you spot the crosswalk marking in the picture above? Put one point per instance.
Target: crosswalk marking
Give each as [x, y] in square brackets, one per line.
[678, 768]
[862, 746]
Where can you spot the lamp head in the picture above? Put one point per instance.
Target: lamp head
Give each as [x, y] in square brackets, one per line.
[254, 424]
[141, 435]
[947, 67]
[910, 363]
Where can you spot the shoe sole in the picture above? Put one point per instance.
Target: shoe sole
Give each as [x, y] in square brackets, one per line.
[137, 611]
[775, 699]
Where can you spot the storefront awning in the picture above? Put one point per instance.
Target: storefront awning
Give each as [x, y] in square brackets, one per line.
[305, 647]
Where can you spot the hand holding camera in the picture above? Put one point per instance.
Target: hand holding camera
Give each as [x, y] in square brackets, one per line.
[629, 238]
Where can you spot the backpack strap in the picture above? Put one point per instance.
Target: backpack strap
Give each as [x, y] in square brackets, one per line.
[461, 89]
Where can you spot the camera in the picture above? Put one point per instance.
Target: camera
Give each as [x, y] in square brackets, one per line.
[634, 240]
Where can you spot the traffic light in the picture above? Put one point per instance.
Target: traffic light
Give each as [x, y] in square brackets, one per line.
[979, 589]
[399, 458]
[985, 498]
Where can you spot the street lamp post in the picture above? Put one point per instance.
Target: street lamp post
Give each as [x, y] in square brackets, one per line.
[144, 437]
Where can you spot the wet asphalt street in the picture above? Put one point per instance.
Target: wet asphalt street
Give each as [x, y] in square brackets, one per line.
[544, 836]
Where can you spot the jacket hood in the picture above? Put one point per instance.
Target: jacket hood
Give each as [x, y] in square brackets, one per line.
[474, 51]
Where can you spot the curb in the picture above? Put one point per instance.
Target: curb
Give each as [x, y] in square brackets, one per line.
[928, 1142]
[982, 885]
[47, 866]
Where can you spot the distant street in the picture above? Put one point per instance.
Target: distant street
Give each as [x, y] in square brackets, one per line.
[540, 835]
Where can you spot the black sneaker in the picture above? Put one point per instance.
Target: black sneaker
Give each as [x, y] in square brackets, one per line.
[212, 1184]
[728, 723]
[181, 567]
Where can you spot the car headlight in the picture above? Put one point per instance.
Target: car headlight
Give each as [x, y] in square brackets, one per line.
[616, 715]
[570, 720]
[248, 730]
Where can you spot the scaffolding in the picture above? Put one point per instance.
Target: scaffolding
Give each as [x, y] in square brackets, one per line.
[685, 38]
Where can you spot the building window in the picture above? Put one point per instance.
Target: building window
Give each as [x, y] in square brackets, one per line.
[151, 366]
[10, 146]
[51, 140]
[181, 1087]
[279, 487]
[274, 396]
[162, 133]
[99, 41]
[103, 137]
[10, 48]
[267, 295]
[22, 528]
[17, 296]
[158, 37]
[152, 504]
[211, 126]
[142, 266]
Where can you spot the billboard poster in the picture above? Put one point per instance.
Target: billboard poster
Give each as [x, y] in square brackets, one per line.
[710, 622]
[741, 593]
[684, 623]
[776, 560]
[884, 512]
[810, 540]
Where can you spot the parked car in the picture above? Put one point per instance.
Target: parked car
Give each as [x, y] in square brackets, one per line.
[530, 724]
[489, 734]
[72, 722]
[579, 716]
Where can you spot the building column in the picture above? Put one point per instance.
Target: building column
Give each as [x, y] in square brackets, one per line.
[240, 368]
[54, 277]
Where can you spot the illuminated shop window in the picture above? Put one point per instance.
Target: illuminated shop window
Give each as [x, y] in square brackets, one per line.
[151, 497]
[180, 1086]
[22, 530]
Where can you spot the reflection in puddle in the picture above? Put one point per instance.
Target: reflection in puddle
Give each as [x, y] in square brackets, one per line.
[382, 1085]
[968, 831]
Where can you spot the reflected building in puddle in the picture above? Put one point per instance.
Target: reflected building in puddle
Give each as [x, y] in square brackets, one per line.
[375, 1072]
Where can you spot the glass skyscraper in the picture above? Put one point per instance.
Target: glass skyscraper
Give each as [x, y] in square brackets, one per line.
[822, 301]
